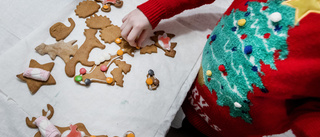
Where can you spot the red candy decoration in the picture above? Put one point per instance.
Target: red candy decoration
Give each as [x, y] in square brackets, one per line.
[83, 71]
[222, 68]
[267, 35]
[225, 74]
[103, 68]
[244, 36]
[265, 7]
[208, 36]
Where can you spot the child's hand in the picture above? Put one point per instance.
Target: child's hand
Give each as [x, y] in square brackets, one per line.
[135, 28]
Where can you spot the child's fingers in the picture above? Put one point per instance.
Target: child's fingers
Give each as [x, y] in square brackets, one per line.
[133, 35]
[123, 25]
[125, 31]
[142, 37]
[125, 18]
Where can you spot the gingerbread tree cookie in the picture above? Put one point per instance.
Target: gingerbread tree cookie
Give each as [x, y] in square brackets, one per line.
[110, 33]
[33, 84]
[83, 52]
[149, 49]
[59, 31]
[98, 22]
[87, 8]
[62, 49]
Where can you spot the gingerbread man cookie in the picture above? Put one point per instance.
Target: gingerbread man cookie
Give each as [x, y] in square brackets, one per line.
[37, 75]
[83, 52]
[62, 49]
[87, 8]
[59, 31]
[107, 3]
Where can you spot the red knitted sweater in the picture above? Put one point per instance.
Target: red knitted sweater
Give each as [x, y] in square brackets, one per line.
[280, 87]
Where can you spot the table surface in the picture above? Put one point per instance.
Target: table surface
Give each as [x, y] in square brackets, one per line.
[105, 110]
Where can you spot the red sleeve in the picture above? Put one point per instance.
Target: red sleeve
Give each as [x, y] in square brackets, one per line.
[155, 10]
[306, 119]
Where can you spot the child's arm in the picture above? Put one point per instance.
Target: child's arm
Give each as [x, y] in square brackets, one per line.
[138, 23]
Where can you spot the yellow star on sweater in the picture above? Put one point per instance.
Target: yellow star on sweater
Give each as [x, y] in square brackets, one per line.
[303, 7]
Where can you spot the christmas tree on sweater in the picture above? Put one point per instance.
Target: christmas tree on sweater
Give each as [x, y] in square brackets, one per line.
[238, 45]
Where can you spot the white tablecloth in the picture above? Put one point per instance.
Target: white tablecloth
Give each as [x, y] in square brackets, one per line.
[105, 110]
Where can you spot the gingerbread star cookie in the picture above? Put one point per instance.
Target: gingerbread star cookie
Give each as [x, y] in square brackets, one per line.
[34, 85]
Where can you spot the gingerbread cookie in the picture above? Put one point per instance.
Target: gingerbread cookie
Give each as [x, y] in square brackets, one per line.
[35, 83]
[149, 49]
[107, 4]
[110, 33]
[162, 41]
[152, 82]
[87, 8]
[46, 127]
[125, 46]
[59, 31]
[62, 49]
[97, 73]
[98, 22]
[83, 52]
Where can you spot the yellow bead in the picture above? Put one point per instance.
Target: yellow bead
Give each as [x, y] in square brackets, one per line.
[109, 80]
[120, 52]
[149, 81]
[130, 135]
[118, 40]
[209, 73]
[105, 6]
[242, 22]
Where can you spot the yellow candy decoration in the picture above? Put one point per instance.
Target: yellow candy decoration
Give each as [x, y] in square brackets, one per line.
[149, 81]
[92, 136]
[130, 135]
[109, 80]
[209, 73]
[242, 22]
[118, 40]
[119, 52]
[105, 6]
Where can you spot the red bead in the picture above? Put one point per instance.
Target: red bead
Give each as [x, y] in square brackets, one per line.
[222, 68]
[103, 68]
[265, 7]
[225, 74]
[267, 35]
[209, 79]
[208, 36]
[244, 36]
[83, 71]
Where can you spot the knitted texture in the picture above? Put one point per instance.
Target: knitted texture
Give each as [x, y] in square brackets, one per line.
[241, 48]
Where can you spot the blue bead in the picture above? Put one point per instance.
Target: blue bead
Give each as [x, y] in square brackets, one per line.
[234, 28]
[248, 49]
[277, 28]
[264, 90]
[213, 37]
[221, 87]
[246, 3]
[151, 72]
[254, 68]
[234, 49]
[87, 82]
[247, 14]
